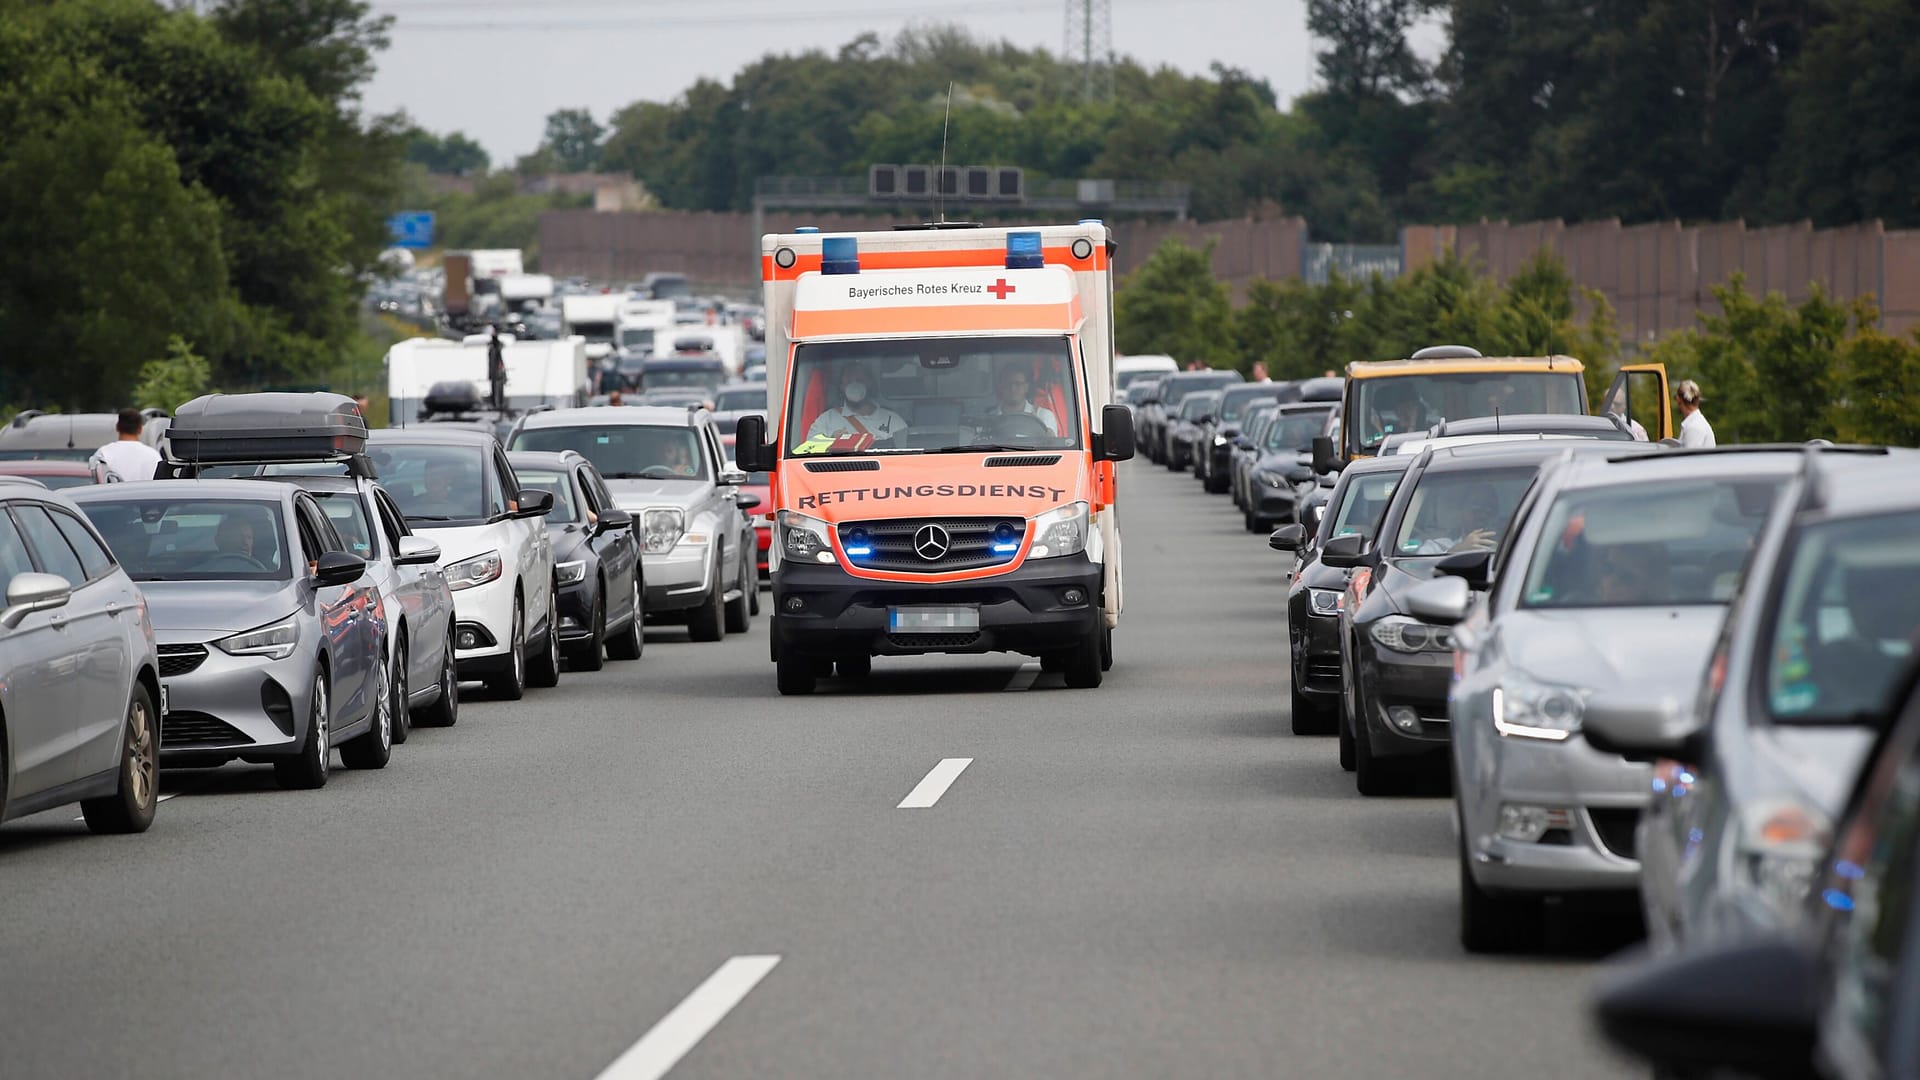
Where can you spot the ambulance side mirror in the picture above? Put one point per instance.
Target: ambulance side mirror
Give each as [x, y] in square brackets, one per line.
[1115, 443]
[750, 449]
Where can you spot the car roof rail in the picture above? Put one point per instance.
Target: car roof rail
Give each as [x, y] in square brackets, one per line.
[20, 418]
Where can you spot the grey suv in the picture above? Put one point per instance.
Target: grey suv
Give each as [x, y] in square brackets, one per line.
[664, 465]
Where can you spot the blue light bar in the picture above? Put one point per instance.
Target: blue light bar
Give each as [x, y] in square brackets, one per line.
[808, 229]
[1024, 252]
[1006, 549]
[859, 551]
[839, 255]
[1091, 221]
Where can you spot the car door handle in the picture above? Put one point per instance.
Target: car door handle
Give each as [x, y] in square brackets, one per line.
[113, 609]
[57, 621]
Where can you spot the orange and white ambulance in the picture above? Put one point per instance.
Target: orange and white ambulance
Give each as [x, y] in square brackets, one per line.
[942, 447]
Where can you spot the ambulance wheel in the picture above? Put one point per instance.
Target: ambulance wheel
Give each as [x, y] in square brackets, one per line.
[1083, 668]
[794, 674]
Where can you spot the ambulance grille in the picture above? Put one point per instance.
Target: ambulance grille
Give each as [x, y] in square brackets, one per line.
[843, 466]
[1024, 461]
[969, 543]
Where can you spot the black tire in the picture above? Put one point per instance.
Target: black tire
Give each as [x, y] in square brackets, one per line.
[1054, 661]
[628, 643]
[853, 666]
[1376, 776]
[794, 674]
[1216, 484]
[1106, 648]
[1307, 718]
[309, 770]
[591, 654]
[375, 748]
[739, 610]
[130, 808]
[445, 709]
[1345, 724]
[1496, 924]
[511, 684]
[707, 622]
[1083, 668]
[544, 672]
[401, 684]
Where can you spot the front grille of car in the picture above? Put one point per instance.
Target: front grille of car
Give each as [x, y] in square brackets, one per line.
[1324, 674]
[176, 660]
[934, 641]
[1616, 829]
[969, 543]
[183, 730]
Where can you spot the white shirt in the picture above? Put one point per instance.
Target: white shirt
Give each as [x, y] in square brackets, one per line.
[1695, 431]
[124, 460]
[882, 423]
[1045, 414]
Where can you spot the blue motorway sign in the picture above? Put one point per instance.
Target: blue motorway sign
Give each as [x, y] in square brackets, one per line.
[411, 229]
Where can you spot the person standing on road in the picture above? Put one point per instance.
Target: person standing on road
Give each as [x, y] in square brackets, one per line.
[125, 458]
[1694, 429]
[497, 368]
[1259, 372]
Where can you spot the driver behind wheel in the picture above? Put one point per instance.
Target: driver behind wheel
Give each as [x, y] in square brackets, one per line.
[858, 413]
[1014, 386]
[234, 537]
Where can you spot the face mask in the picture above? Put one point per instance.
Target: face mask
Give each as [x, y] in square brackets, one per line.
[856, 392]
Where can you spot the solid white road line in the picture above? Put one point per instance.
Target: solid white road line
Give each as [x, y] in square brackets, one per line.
[929, 790]
[682, 1029]
[1023, 678]
[156, 802]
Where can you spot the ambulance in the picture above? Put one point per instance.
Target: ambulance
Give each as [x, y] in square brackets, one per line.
[942, 448]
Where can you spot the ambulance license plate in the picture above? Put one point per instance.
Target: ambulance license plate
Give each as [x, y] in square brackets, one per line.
[932, 620]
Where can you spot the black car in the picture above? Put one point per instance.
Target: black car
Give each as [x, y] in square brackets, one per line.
[1162, 413]
[1451, 510]
[1184, 430]
[1284, 463]
[596, 559]
[1215, 443]
[1358, 502]
[1245, 448]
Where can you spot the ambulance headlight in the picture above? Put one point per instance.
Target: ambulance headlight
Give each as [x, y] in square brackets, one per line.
[1060, 532]
[805, 539]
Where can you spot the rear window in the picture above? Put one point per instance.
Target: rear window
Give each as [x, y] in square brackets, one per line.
[201, 540]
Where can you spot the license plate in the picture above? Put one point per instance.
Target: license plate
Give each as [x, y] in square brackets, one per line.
[163, 699]
[932, 620]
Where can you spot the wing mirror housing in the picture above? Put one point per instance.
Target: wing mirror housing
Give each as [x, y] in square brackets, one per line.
[751, 451]
[1473, 567]
[533, 503]
[30, 592]
[615, 518]
[1344, 552]
[1115, 441]
[338, 568]
[1640, 729]
[1443, 601]
[416, 551]
[733, 477]
[746, 500]
[1287, 538]
[1748, 1008]
[1325, 459]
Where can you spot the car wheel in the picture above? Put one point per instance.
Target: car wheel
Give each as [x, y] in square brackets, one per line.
[1373, 775]
[375, 748]
[737, 610]
[752, 579]
[308, 770]
[1216, 484]
[854, 666]
[544, 672]
[1495, 924]
[794, 674]
[130, 808]
[445, 711]
[707, 623]
[627, 644]
[1054, 661]
[591, 654]
[511, 684]
[1083, 668]
[1307, 718]
[402, 682]
[1344, 720]
[1106, 649]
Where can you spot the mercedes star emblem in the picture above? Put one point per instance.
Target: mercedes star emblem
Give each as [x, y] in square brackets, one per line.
[931, 542]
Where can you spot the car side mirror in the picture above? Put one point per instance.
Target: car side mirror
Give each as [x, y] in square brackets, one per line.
[750, 448]
[1115, 441]
[338, 568]
[31, 592]
[416, 551]
[1748, 1008]
[533, 503]
[1471, 567]
[746, 500]
[1286, 538]
[1443, 601]
[1344, 552]
[1325, 460]
[1639, 729]
[733, 477]
[615, 518]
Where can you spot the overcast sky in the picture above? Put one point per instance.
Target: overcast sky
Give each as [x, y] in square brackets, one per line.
[495, 68]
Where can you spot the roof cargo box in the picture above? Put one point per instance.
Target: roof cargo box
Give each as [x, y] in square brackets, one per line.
[224, 428]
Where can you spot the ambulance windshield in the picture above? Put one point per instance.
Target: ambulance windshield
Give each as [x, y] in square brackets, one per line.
[942, 395]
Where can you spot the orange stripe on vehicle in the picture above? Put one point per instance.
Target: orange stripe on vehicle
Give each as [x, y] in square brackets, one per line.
[967, 318]
[931, 260]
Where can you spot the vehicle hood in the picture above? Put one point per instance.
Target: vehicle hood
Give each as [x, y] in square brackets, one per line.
[639, 494]
[943, 485]
[459, 543]
[1645, 651]
[193, 611]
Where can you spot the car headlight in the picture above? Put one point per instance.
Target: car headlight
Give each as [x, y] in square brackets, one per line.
[275, 641]
[1324, 602]
[662, 528]
[1781, 842]
[1272, 480]
[1401, 634]
[478, 570]
[1062, 531]
[1219, 440]
[804, 539]
[570, 573]
[1530, 710]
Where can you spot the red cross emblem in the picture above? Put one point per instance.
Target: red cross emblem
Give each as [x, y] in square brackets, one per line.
[1000, 289]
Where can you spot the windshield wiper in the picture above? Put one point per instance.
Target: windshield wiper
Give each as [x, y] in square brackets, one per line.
[624, 476]
[984, 448]
[431, 517]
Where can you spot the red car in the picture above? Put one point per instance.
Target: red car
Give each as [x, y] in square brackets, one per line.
[56, 474]
[762, 522]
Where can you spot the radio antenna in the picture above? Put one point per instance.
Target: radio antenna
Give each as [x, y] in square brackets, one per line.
[940, 178]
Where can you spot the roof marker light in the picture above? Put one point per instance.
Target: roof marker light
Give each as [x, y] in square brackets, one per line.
[1091, 221]
[807, 230]
[1024, 252]
[839, 255]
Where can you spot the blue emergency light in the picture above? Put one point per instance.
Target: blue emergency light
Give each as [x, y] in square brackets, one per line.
[1023, 251]
[808, 230]
[1006, 540]
[1091, 221]
[858, 543]
[839, 255]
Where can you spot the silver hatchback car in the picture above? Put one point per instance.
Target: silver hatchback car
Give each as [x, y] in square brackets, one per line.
[80, 697]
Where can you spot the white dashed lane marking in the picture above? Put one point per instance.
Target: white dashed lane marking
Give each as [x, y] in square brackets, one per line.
[929, 790]
[678, 1032]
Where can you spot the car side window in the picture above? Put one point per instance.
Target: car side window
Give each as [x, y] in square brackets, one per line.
[587, 494]
[311, 544]
[13, 554]
[599, 487]
[501, 488]
[392, 525]
[93, 555]
[51, 550]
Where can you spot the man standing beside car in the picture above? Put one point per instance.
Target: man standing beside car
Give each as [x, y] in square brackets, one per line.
[1694, 429]
[125, 458]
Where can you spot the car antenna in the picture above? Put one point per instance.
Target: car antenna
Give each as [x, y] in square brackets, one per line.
[69, 431]
[940, 178]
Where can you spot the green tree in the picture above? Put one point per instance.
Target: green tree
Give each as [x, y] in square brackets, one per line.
[573, 138]
[453, 154]
[174, 379]
[1171, 304]
[1878, 399]
[1367, 55]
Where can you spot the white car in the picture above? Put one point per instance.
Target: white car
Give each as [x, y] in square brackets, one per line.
[456, 489]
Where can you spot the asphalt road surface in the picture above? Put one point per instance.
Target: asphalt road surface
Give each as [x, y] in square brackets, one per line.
[666, 862]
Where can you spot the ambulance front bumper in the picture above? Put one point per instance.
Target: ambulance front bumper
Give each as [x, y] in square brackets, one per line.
[1041, 606]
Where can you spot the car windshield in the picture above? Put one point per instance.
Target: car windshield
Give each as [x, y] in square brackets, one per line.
[1295, 431]
[1362, 505]
[1199, 405]
[198, 540]
[1126, 379]
[51, 453]
[596, 333]
[1636, 546]
[433, 482]
[349, 517]
[1848, 617]
[741, 399]
[636, 337]
[1459, 511]
[1235, 406]
[565, 511]
[1389, 405]
[652, 378]
[624, 451]
[1139, 391]
[1178, 387]
[938, 394]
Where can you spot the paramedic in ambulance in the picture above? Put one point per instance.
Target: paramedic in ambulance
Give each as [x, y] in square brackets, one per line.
[859, 414]
[1015, 388]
